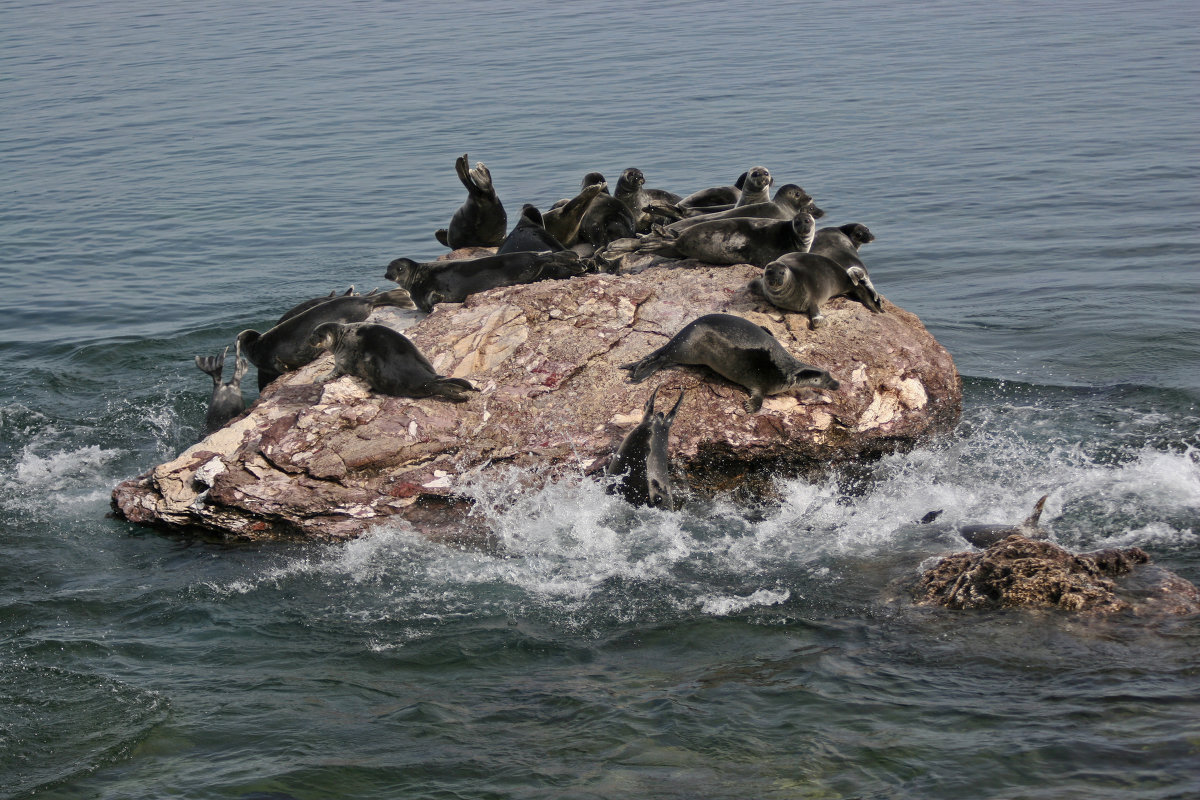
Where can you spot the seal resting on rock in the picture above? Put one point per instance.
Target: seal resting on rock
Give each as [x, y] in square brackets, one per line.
[285, 347]
[803, 281]
[226, 401]
[738, 350]
[300, 308]
[386, 359]
[842, 243]
[732, 241]
[715, 196]
[642, 463]
[641, 201]
[433, 282]
[529, 235]
[562, 221]
[480, 221]
[789, 201]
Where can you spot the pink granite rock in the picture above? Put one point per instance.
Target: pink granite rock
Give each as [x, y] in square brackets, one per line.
[330, 461]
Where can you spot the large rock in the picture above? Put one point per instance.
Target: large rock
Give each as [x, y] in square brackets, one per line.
[329, 461]
[1019, 572]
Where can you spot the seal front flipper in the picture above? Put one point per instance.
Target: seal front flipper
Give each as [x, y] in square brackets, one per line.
[442, 235]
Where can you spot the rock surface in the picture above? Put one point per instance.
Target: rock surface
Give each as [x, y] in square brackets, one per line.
[1023, 572]
[329, 461]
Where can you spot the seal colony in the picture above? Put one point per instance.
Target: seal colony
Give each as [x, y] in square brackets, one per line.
[459, 391]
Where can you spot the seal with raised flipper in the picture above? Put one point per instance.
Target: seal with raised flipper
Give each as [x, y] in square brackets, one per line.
[285, 347]
[605, 219]
[738, 350]
[480, 221]
[563, 219]
[386, 359]
[433, 282]
[642, 463]
[841, 243]
[226, 401]
[988, 534]
[789, 201]
[529, 235]
[736, 240]
[803, 281]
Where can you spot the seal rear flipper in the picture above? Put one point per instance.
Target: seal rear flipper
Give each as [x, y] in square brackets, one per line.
[464, 173]
[398, 298]
[451, 388]
[644, 368]
[1032, 520]
[213, 365]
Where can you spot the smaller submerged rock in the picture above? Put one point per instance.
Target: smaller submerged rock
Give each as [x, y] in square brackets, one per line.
[1022, 572]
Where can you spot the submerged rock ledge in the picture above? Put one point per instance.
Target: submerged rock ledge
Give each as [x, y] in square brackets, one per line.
[330, 461]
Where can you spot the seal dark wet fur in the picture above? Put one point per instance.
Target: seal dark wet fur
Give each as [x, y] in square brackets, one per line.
[316, 301]
[738, 350]
[563, 220]
[804, 281]
[789, 201]
[285, 347]
[642, 460]
[529, 235]
[735, 241]
[706, 199]
[842, 243]
[756, 187]
[226, 401]
[433, 282]
[631, 190]
[480, 221]
[386, 359]
[987, 534]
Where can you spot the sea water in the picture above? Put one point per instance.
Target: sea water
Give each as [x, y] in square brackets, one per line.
[173, 174]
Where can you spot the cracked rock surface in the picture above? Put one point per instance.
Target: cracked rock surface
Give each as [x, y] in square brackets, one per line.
[328, 461]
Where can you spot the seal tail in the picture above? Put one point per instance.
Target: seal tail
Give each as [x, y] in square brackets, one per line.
[399, 298]
[213, 365]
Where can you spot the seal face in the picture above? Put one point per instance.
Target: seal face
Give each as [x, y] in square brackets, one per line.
[646, 205]
[842, 243]
[285, 347]
[642, 461]
[529, 235]
[433, 282]
[754, 189]
[480, 221]
[386, 359]
[226, 401]
[738, 350]
[803, 281]
[735, 240]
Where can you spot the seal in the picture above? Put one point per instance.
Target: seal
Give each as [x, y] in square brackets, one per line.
[433, 282]
[705, 199]
[605, 219]
[226, 401]
[738, 350]
[789, 201]
[842, 243]
[803, 281]
[641, 462]
[480, 221]
[734, 241]
[285, 347]
[755, 187]
[563, 220]
[316, 301]
[386, 359]
[642, 202]
[529, 235]
[988, 534]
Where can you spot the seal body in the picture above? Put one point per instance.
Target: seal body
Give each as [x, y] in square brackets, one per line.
[563, 220]
[842, 243]
[480, 221]
[642, 462]
[706, 199]
[529, 235]
[285, 347]
[631, 190]
[605, 220]
[433, 282]
[316, 301]
[789, 201]
[226, 401]
[386, 359]
[988, 534]
[803, 281]
[736, 240]
[738, 350]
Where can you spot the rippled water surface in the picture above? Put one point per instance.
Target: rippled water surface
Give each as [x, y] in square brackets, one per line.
[176, 173]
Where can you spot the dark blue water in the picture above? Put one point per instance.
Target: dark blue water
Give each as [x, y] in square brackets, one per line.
[173, 174]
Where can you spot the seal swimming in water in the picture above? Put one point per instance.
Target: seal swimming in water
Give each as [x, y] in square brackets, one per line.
[734, 241]
[285, 346]
[803, 281]
[987, 534]
[480, 221]
[738, 350]
[789, 201]
[386, 359]
[529, 235]
[563, 220]
[433, 282]
[842, 243]
[226, 401]
[642, 461]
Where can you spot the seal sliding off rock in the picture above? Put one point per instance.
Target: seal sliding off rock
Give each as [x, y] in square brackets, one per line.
[738, 350]
[480, 221]
[386, 359]
[641, 462]
[285, 347]
[226, 401]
